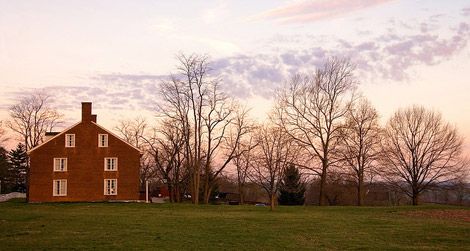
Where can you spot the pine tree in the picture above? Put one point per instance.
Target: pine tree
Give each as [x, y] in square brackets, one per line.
[18, 159]
[292, 188]
[4, 171]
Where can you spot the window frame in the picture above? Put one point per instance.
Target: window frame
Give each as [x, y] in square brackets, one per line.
[106, 164]
[110, 181]
[62, 182]
[65, 165]
[106, 137]
[66, 140]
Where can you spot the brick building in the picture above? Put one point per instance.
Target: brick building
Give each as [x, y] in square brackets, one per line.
[85, 162]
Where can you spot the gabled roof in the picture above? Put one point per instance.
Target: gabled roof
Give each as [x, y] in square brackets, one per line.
[57, 135]
[74, 125]
[106, 130]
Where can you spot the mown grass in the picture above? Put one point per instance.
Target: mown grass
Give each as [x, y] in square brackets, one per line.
[105, 226]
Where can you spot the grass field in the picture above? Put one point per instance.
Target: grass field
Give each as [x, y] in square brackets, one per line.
[176, 227]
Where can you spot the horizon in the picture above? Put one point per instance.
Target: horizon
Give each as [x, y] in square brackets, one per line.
[115, 53]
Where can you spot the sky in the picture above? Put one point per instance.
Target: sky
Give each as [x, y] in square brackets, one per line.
[114, 53]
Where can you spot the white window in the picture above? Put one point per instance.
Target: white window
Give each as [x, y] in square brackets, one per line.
[69, 140]
[60, 164]
[103, 140]
[110, 164]
[110, 187]
[59, 188]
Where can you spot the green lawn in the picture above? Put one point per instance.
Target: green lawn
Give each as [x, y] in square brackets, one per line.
[184, 226]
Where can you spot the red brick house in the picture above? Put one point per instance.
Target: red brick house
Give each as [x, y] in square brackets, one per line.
[85, 162]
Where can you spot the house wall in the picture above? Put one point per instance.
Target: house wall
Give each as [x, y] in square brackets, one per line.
[85, 167]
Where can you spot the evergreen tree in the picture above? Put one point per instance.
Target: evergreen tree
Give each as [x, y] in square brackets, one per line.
[292, 188]
[4, 171]
[18, 159]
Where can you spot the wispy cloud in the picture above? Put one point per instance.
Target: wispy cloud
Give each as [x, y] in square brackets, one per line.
[215, 13]
[387, 56]
[310, 11]
[466, 11]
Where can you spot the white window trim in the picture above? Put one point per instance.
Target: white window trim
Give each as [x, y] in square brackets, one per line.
[58, 170]
[106, 164]
[106, 188]
[53, 187]
[106, 141]
[66, 140]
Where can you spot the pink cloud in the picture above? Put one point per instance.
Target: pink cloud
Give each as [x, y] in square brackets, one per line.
[310, 11]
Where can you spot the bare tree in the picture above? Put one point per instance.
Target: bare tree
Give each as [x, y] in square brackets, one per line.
[421, 150]
[274, 152]
[360, 146]
[132, 130]
[3, 134]
[460, 185]
[223, 144]
[182, 102]
[312, 111]
[193, 99]
[243, 159]
[31, 118]
[166, 146]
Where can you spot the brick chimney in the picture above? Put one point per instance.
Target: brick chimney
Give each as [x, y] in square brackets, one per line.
[86, 112]
[93, 118]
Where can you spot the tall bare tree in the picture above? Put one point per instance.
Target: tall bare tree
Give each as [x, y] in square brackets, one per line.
[193, 98]
[360, 146]
[133, 131]
[274, 152]
[223, 144]
[31, 118]
[312, 110]
[243, 159]
[166, 146]
[421, 150]
[183, 101]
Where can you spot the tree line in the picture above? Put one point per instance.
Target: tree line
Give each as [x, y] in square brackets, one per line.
[319, 125]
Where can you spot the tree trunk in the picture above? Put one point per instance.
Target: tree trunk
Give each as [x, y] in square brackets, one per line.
[242, 196]
[321, 196]
[415, 198]
[177, 193]
[170, 191]
[195, 187]
[273, 201]
[360, 197]
[207, 189]
[207, 194]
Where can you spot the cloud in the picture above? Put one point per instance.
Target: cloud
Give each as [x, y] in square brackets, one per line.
[387, 56]
[163, 25]
[109, 91]
[311, 11]
[466, 11]
[215, 13]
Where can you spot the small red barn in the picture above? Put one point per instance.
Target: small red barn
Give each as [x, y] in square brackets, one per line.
[85, 162]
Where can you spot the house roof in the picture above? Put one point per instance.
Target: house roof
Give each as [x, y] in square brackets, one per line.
[74, 125]
[108, 131]
[57, 135]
